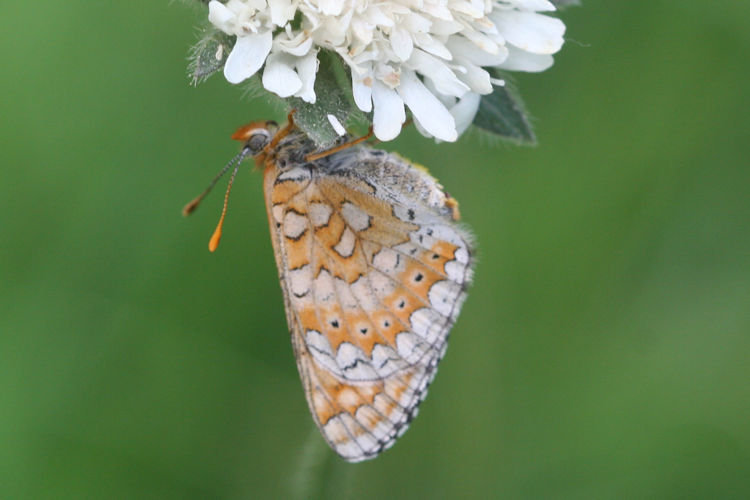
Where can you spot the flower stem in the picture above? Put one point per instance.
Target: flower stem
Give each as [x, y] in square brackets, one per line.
[319, 473]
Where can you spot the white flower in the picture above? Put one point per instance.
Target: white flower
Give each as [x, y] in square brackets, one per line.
[427, 55]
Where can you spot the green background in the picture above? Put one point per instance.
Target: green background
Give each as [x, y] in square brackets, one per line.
[603, 350]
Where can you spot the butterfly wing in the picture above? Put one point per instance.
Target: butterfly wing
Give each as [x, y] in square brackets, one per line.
[374, 270]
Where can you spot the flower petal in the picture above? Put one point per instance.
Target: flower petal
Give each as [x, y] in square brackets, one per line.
[433, 46]
[530, 31]
[377, 17]
[247, 56]
[465, 110]
[279, 77]
[474, 10]
[336, 124]
[520, 60]
[307, 67]
[442, 76]
[237, 5]
[389, 75]
[282, 11]
[426, 108]
[440, 27]
[435, 9]
[483, 42]
[537, 5]
[362, 91]
[475, 77]
[389, 113]
[466, 49]
[330, 7]
[416, 23]
[401, 43]
[298, 46]
[221, 17]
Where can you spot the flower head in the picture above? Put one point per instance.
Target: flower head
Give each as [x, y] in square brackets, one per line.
[427, 55]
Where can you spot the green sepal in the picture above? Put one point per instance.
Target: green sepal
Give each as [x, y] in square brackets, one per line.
[503, 113]
[209, 54]
[332, 97]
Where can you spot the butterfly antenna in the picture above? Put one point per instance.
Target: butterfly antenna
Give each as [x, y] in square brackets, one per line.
[190, 207]
[214, 241]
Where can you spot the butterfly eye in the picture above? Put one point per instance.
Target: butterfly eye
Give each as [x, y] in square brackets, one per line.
[258, 141]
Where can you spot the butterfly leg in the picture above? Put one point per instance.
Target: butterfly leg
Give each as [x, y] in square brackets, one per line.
[406, 124]
[283, 132]
[340, 147]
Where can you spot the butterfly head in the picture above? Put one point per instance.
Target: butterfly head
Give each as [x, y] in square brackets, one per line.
[256, 135]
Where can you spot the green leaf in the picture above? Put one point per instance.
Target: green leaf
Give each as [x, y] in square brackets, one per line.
[209, 54]
[561, 4]
[503, 113]
[331, 91]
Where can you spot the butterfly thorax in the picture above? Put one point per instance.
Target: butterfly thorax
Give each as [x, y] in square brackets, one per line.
[289, 152]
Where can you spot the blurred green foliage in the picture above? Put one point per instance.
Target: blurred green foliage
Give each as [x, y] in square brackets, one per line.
[603, 351]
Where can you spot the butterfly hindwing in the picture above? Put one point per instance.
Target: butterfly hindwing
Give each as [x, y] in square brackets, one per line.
[374, 270]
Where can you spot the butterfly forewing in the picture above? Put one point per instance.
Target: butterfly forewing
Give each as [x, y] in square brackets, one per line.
[373, 269]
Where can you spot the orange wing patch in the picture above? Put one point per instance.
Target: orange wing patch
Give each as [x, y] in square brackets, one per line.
[359, 421]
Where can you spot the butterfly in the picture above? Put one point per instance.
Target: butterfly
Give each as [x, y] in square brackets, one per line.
[373, 266]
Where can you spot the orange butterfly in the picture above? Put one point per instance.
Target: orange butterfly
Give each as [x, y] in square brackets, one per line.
[373, 268]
